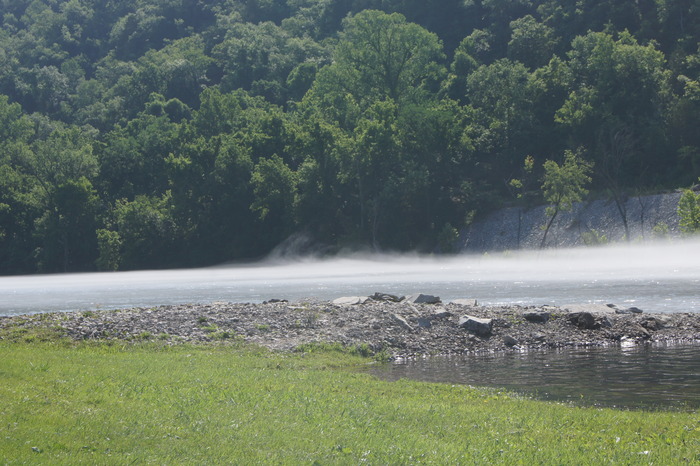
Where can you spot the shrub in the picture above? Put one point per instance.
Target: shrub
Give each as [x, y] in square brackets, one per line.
[689, 212]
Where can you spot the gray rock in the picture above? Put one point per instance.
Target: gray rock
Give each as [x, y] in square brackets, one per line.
[441, 313]
[589, 308]
[639, 332]
[465, 302]
[425, 322]
[401, 321]
[482, 327]
[510, 341]
[652, 324]
[275, 300]
[423, 299]
[520, 228]
[583, 320]
[350, 300]
[629, 310]
[386, 297]
[537, 317]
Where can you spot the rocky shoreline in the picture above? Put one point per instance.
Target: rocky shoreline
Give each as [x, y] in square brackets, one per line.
[397, 327]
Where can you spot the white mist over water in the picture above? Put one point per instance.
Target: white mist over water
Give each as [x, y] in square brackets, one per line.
[660, 277]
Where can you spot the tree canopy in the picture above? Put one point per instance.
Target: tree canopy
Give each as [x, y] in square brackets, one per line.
[169, 133]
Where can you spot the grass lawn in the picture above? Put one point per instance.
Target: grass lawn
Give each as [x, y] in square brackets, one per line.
[63, 403]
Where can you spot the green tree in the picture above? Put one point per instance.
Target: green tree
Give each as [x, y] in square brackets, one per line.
[148, 233]
[19, 203]
[689, 212]
[274, 186]
[209, 181]
[63, 166]
[562, 186]
[617, 86]
[320, 148]
[109, 246]
[532, 43]
[261, 57]
[504, 93]
[381, 56]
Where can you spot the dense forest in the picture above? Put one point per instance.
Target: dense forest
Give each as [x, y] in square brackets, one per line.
[171, 133]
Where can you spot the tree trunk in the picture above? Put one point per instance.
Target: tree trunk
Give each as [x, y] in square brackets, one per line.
[546, 230]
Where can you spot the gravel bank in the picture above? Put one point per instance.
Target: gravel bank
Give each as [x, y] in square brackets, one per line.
[400, 329]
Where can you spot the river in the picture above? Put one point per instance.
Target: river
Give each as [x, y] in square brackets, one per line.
[646, 377]
[661, 277]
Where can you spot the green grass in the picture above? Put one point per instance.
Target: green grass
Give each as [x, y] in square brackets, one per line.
[147, 402]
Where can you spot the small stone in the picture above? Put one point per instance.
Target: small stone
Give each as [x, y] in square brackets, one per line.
[510, 341]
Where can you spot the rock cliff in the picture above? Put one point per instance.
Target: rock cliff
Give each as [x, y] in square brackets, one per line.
[648, 217]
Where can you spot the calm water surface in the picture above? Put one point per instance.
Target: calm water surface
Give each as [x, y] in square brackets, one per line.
[649, 377]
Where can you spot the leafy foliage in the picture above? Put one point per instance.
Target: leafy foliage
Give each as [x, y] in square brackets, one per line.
[689, 212]
[170, 133]
[564, 185]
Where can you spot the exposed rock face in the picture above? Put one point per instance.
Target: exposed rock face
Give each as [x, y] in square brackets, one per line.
[400, 329]
[516, 228]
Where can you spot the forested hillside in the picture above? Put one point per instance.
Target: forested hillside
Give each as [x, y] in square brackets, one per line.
[168, 133]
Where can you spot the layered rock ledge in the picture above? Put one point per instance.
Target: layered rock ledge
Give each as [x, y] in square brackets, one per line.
[410, 327]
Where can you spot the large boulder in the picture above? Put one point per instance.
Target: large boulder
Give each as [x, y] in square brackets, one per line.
[584, 320]
[477, 325]
[537, 317]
